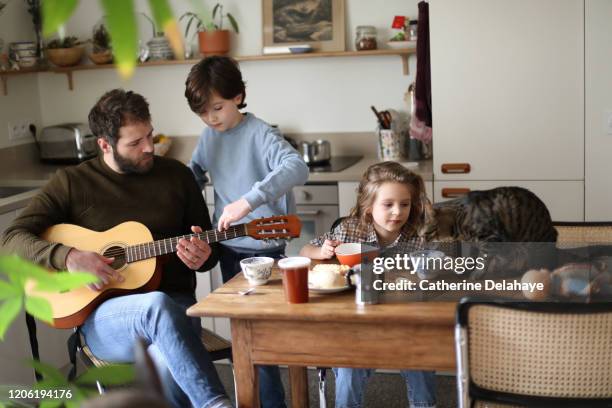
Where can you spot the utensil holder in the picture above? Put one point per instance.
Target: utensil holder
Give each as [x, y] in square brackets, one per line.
[390, 146]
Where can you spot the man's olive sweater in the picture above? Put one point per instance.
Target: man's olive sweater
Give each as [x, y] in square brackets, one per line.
[166, 199]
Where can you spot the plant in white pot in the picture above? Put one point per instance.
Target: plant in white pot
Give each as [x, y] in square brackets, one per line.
[213, 39]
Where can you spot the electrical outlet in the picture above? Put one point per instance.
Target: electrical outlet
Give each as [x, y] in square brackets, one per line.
[19, 130]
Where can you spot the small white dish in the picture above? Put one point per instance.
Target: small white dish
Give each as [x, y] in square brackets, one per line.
[398, 45]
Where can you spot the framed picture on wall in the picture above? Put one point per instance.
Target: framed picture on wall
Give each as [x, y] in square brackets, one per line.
[318, 23]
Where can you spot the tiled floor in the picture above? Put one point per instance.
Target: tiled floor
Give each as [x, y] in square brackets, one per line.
[383, 391]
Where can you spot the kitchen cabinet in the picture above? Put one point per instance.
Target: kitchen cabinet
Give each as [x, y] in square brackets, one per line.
[508, 90]
[598, 110]
[564, 199]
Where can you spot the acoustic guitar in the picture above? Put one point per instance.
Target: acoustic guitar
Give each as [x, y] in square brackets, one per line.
[135, 252]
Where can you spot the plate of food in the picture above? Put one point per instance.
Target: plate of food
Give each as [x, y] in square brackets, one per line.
[328, 278]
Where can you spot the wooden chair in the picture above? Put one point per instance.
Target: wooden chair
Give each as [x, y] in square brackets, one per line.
[218, 348]
[534, 354]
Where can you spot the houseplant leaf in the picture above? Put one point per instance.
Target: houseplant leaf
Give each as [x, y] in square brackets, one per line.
[8, 311]
[63, 281]
[122, 26]
[39, 308]
[19, 270]
[233, 22]
[162, 13]
[55, 13]
[8, 291]
[114, 374]
[51, 375]
[56, 403]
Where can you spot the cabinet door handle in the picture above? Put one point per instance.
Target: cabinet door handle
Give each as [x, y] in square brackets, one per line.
[309, 212]
[454, 192]
[455, 168]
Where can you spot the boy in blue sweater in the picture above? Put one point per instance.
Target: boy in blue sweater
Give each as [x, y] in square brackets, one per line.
[253, 171]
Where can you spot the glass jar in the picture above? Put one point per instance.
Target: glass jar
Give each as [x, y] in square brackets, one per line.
[412, 30]
[365, 38]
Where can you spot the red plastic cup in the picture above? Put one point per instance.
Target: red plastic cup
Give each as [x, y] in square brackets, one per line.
[295, 278]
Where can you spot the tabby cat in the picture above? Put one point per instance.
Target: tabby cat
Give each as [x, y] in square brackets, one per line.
[503, 214]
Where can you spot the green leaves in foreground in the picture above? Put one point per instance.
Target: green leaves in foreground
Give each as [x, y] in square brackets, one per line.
[162, 13]
[121, 19]
[24, 277]
[83, 386]
[55, 13]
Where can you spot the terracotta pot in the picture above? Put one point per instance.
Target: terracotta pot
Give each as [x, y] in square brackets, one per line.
[214, 42]
[100, 58]
[65, 57]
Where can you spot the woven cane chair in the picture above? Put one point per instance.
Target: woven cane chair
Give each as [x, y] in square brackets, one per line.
[534, 354]
[576, 234]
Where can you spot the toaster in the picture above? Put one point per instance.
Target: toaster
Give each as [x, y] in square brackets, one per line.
[69, 142]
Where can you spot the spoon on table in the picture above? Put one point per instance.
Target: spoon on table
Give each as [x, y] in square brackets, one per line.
[246, 292]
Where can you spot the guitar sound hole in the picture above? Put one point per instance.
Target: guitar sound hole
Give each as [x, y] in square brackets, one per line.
[118, 253]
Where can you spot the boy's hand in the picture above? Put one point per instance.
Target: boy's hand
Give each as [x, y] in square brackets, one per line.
[328, 249]
[233, 212]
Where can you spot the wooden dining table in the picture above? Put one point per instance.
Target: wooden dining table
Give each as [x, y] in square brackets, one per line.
[331, 330]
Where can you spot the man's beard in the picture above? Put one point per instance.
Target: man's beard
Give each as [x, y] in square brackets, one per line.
[129, 166]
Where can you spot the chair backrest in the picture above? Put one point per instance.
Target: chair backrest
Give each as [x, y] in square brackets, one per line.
[535, 353]
[576, 234]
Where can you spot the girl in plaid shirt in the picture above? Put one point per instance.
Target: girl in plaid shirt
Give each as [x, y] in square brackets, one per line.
[389, 210]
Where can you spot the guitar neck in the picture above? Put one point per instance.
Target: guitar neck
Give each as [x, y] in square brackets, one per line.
[148, 250]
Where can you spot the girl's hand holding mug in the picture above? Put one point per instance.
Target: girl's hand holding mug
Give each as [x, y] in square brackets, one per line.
[328, 249]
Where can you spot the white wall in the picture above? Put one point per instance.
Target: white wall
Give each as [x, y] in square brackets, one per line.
[23, 101]
[318, 95]
[598, 108]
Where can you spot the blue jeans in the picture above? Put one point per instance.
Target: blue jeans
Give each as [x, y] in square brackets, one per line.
[350, 383]
[271, 392]
[185, 368]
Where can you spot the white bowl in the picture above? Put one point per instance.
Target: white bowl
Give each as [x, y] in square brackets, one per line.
[398, 45]
[257, 270]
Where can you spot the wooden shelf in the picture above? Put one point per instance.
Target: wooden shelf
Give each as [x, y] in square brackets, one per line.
[23, 71]
[68, 71]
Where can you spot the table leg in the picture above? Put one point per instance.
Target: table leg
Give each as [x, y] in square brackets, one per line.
[298, 378]
[247, 388]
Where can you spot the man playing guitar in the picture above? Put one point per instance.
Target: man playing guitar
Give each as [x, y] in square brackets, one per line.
[126, 182]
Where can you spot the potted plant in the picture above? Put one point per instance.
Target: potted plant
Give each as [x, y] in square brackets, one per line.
[65, 53]
[101, 46]
[212, 38]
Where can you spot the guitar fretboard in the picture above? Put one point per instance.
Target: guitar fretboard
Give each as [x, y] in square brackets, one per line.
[148, 250]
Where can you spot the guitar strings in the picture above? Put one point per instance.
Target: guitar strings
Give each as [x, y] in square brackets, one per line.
[121, 251]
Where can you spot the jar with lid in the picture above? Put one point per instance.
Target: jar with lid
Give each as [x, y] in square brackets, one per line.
[412, 30]
[365, 38]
